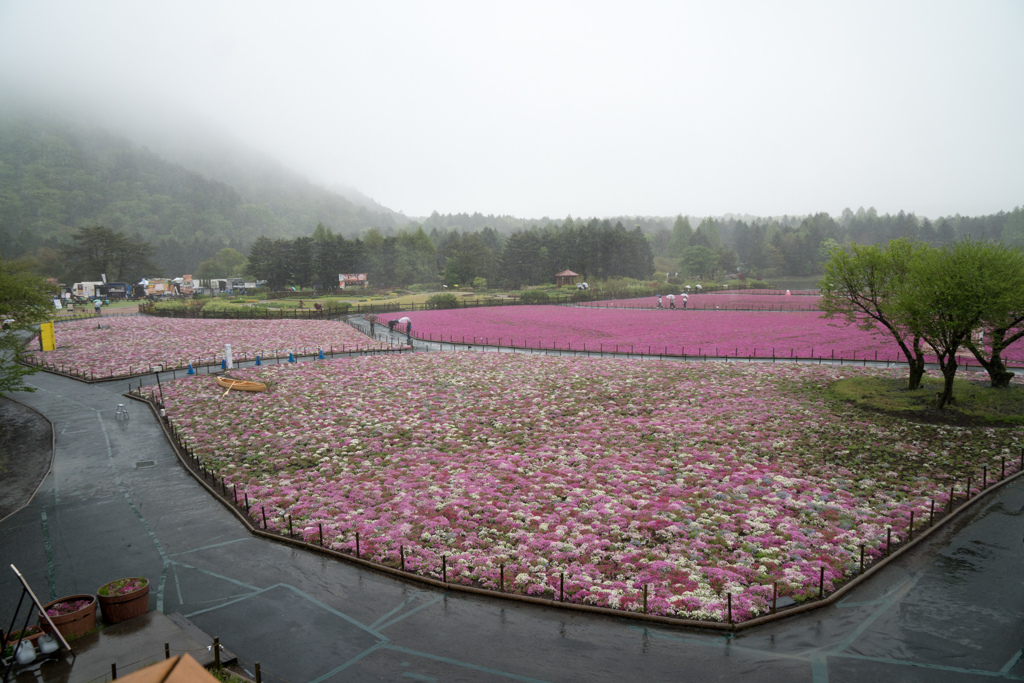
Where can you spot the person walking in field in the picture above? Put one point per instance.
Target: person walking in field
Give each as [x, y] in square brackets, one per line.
[672, 302]
[685, 300]
[659, 302]
[97, 304]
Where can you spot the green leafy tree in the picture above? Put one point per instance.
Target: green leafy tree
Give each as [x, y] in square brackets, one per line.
[416, 258]
[98, 250]
[27, 299]
[700, 261]
[270, 260]
[1002, 276]
[944, 299]
[466, 259]
[709, 233]
[862, 285]
[680, 239]
[227, 262]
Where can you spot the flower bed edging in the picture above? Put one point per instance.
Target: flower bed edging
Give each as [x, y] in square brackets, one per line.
[782, 613]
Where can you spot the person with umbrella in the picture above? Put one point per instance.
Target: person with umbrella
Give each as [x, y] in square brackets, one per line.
[96, 304]
[408, 328]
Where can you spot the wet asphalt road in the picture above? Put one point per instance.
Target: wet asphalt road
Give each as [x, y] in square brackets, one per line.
[117, 503]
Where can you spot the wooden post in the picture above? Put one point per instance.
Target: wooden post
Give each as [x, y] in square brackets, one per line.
[645, 598]
[888, 540]
[444, 569]
[357, 544]
[113, 671]
[501, 577]
[167, 650]
[321, 525]
[401, 555]
[775, 594]
[861, 558]
[561, 587]
[264, 511]
[910, 532]
[257, 674]
[216, 652]
[821, 583]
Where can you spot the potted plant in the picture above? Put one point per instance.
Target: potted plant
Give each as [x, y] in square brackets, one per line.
[30, 633]
[74, 615]
[124, 599]
[18, 645]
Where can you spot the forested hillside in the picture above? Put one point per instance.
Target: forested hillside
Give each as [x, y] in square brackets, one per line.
[56, 177]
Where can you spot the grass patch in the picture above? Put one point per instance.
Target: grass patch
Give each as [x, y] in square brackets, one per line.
[974, 401]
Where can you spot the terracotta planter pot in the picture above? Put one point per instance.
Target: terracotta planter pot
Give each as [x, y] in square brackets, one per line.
[117, 608]
[75, 624]
[30, 638]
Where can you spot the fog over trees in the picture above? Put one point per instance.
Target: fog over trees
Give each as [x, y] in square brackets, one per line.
[59, 178]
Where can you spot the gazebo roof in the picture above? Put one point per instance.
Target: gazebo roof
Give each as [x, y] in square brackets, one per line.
[567, 273]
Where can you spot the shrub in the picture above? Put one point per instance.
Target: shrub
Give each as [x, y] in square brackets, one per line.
[479, 284]
[443, 301]
[534, 296]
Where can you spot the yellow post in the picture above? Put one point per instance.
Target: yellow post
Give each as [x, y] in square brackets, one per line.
[46, 335]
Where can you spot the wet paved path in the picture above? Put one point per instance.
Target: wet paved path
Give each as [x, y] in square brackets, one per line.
[117, 503]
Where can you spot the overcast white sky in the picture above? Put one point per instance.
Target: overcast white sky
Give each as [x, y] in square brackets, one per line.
[584, 108]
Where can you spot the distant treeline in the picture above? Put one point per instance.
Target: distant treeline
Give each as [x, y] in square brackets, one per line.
[58, 177]
[596, 249]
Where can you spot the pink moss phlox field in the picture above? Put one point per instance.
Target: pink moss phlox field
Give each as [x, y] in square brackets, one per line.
[124, 343]
[746, 300]
[670, 332]
[712, 333]
[695, 479]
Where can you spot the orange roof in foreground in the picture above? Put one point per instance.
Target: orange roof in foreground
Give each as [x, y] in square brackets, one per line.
[181, 669]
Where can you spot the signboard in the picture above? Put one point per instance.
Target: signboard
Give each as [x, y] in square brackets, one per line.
[351, 279]
[46, 337]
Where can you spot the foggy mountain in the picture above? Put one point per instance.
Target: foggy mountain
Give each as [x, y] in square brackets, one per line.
[188, 190]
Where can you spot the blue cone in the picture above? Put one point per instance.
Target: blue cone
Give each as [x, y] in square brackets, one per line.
[191, 370]
[258, 361]
[321, 356]
[291, 357]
